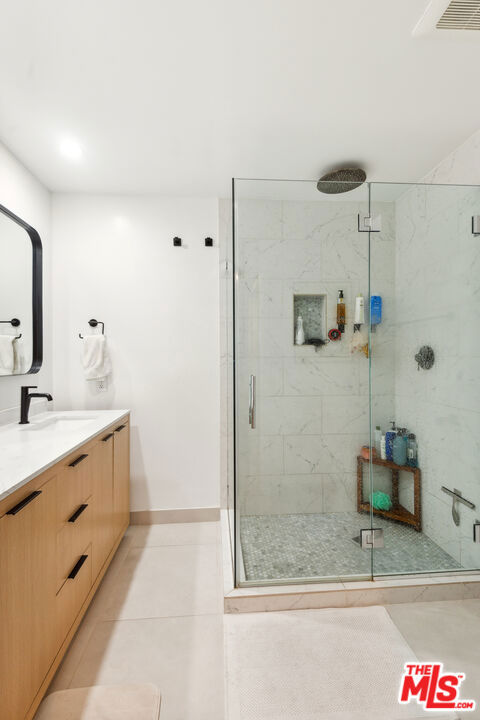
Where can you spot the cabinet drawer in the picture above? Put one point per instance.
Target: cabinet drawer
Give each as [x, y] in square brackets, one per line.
[27, 598]
[74, 592]
[121, 477]
[103, 535]
[75, 484]
[72, 538]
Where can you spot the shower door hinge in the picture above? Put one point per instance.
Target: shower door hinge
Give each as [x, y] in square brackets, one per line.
[476, 531]
[368, 223]
[371, 538]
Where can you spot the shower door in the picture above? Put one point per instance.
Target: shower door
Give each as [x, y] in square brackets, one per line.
[425, 356]
[302, 411]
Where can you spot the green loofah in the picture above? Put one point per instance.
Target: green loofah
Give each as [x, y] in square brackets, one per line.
[380, 500]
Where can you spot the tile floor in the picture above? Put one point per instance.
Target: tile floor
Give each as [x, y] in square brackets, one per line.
[322, 545]
[157, 617]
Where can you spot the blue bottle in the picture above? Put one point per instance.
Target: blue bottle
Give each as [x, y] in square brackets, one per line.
[400, 447]
[375, 310]
[389, 438]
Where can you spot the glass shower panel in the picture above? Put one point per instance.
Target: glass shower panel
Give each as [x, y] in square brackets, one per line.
[302, 410]
[424, 356]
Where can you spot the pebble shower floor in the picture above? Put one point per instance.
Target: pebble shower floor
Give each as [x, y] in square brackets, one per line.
[323, 545]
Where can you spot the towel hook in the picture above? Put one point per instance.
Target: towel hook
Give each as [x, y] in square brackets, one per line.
[94, 323]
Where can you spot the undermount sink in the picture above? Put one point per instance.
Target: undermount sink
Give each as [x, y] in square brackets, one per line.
[58, 423]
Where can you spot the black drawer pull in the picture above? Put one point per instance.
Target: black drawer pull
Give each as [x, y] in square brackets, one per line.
[74, 572]
[77, 460]
[107, 437]
[120, 427]
[23, 503]
[77, 512]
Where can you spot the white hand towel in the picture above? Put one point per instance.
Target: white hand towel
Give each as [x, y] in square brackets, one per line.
[7, 358]
[19, 357]
[95, 358]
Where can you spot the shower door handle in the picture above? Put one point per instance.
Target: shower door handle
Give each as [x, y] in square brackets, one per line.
[251, 404]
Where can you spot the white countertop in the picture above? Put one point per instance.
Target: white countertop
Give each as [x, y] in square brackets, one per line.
[28, 450]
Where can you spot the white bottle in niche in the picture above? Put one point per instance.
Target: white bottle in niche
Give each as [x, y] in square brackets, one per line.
[299, 335]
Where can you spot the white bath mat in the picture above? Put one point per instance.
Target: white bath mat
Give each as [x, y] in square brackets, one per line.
[102, 702]
[335, 664]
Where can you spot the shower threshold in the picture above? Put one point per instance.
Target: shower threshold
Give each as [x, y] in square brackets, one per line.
[337, 591]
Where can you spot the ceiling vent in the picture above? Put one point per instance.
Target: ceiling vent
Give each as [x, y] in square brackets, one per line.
[461, 15]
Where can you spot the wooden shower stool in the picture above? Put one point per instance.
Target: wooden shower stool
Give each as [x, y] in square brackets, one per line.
[397, 512]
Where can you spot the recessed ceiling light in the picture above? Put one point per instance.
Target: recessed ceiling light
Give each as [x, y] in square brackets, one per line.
[70, 148]
[120, 222]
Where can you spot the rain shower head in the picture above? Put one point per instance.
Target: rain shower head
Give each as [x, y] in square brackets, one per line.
[341, 181]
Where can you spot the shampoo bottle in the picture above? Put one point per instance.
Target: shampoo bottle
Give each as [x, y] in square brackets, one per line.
[378, 440]
[300, 334]
[389, 438]
[383, 452]
[359, 310]
[412, 450]
[375, 311]
[400, 448]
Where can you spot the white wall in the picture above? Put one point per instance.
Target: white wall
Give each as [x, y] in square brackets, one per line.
[114, 260]
[24, 195]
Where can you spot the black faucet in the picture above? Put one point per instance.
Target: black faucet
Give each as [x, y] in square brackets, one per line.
[25, 401]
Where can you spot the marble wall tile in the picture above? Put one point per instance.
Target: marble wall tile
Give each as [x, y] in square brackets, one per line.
[321, 376]
[260, 258]
[281, 494]
[439, 526]
[259, 297]
[290, 415]
[260, 455]
[340, 492]
[469, 551]
[306, 220]
[345, 256]
[269, 373]
[322, 454]
[346, 414]
[258, 219]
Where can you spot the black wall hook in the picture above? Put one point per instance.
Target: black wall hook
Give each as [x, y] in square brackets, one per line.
[94, 323]
[208, 242]
[177, 242]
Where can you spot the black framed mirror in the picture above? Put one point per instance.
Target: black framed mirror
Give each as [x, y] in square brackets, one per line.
[21, 308]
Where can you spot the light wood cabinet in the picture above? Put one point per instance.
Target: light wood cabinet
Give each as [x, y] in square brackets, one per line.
[121, 477]
[27, 598]
[58, 534]
[103, 519]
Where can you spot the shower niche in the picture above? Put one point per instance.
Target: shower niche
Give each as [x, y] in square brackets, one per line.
[313, 311]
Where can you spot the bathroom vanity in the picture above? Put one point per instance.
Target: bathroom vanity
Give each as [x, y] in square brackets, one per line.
[64, 508]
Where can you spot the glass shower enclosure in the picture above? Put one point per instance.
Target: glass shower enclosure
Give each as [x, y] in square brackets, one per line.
[356, 444]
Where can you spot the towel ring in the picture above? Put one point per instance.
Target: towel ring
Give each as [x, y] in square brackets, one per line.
[94, 323]
[15, 322]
